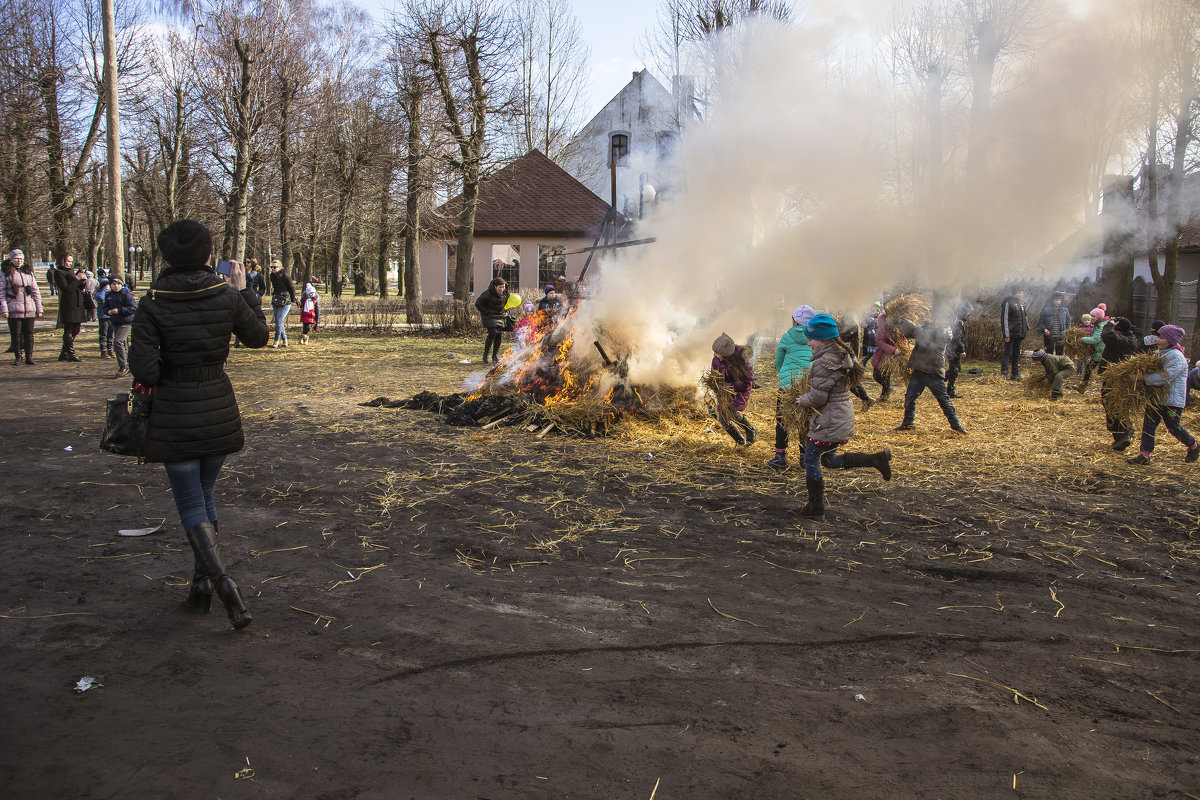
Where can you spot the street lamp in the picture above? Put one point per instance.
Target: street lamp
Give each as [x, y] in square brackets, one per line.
[141, 265]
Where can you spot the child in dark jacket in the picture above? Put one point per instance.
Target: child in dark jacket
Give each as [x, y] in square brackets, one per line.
[928, 367]
[733, 364]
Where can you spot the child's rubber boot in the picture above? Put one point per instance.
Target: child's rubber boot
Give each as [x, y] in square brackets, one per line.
[815, 507]
[779, 460]
[881, 461]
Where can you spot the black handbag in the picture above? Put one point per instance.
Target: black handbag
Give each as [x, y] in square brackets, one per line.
[126, 423]
[280, 300]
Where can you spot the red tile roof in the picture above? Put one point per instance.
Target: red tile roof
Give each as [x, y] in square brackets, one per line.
[532, 196]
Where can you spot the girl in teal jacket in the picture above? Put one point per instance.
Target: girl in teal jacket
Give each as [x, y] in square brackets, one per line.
[793, 360]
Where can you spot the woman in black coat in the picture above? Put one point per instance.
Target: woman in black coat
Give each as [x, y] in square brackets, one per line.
[70, 306]
[490, 305]
[181, 340]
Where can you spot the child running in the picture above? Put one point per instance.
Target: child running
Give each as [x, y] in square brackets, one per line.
[833, 370]
[1174, 377]
[793, 358]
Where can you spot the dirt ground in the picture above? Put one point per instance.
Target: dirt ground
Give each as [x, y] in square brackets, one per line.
[444, 612]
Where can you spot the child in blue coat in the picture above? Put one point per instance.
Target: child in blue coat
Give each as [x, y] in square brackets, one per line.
[793, 360]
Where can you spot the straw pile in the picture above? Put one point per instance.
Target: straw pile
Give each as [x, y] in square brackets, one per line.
[717, 393]
[1035, 383]
[895, 366]
[912, 307]
[1073, 344]
[1127, 397]
[794, 417]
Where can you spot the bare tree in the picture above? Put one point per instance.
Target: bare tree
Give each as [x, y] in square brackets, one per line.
[553, 77]
[468, 49]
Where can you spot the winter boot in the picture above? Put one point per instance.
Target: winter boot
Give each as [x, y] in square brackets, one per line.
[881, 461]
[751, 433]
[779, 460]
[203, 539]
[73, 356]
[815, 507]
[867, 402]
[62, 355]
[735, 432]
[1121, 441]
[200, 593]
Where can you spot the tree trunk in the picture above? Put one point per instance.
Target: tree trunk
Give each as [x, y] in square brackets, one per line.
[286, 179]
[237, 203]
[114, 242]
[385, 228]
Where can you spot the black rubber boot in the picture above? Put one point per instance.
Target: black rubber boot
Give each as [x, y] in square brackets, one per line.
[779, 460]
[881, 461]
[735, 432]
[815, 507]
[203, 539]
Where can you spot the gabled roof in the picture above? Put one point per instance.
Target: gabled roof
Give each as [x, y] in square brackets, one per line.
[532, 196]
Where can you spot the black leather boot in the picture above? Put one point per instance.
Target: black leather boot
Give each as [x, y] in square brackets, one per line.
[815, 507]
[203, 539]
[200, 593]
[881, 461]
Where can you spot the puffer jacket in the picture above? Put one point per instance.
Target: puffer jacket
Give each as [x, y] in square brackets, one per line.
[929, 347]
[490, 305]
[1093, 338]
[180, 342]
[793, 356]
[741, 388]
[829, 395]
[70, 296]
[1014, 321]
[19, 292]
[1117, 346]
[120, 306]
[1174, 376]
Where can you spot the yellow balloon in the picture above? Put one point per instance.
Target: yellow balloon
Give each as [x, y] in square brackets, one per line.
[513, 301]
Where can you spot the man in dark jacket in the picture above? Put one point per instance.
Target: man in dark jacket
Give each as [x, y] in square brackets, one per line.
[1014, 324]
[928, 366]
[490, 305]
[120, 307]
[1053, 322]
[1119, 343]
[70, 305]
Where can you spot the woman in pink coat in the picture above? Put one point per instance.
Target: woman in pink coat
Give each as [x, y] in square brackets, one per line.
[21, 303]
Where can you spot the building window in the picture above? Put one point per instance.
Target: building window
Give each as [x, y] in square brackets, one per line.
[552, 264]
[620, 149]
[506, 263]
[451, 253]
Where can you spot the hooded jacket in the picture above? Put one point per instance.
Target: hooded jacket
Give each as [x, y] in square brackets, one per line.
[793, 356]
[120, 306]
[180, 342]
[490, 306]
[1174, 376]
[829, 395]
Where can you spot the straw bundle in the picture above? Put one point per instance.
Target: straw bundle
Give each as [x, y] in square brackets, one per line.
[717, 393]
[895, 366]
[1035, 383]
[1126, 396]
[794, 417]
[1073, 344]
[912, 307]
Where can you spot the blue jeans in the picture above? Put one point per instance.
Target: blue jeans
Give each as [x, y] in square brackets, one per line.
[1170, 417]
[192, 485]
[280, 322]
[817, 454]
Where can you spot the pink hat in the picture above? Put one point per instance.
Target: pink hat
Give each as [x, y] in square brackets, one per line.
[1098, 313]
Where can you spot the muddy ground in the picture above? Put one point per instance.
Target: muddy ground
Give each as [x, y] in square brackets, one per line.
[450, 613]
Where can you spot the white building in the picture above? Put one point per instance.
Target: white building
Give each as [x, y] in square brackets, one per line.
[636, 133]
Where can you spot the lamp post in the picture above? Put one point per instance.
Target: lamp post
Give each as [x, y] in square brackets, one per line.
[141, 265]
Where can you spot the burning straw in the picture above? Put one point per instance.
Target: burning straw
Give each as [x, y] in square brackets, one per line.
[1127, 396]
[1073, 344]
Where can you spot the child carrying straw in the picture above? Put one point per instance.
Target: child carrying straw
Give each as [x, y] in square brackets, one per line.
[732, 363]
[1169, 410]
[834, 369]
[793, 359]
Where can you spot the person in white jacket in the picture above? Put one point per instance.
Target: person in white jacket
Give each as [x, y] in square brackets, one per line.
[1170, 409]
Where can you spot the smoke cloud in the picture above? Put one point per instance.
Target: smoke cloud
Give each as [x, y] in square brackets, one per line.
[798, 189]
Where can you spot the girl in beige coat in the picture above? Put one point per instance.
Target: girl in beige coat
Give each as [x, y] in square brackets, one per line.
[832, 424]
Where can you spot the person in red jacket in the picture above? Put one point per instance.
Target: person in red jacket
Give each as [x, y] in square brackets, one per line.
[884, 347]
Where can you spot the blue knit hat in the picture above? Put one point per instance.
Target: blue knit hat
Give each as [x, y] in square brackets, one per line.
[822, 328]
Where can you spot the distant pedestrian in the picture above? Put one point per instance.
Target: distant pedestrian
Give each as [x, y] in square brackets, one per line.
[21, 302]
[1054, 321]
[310, 311]
[1014, 325]
[120, 306]
[50, 280]
[283, 297]
[70, 306]
[106, 327]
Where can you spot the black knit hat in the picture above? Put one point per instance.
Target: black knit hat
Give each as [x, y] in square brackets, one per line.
[185, 243]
